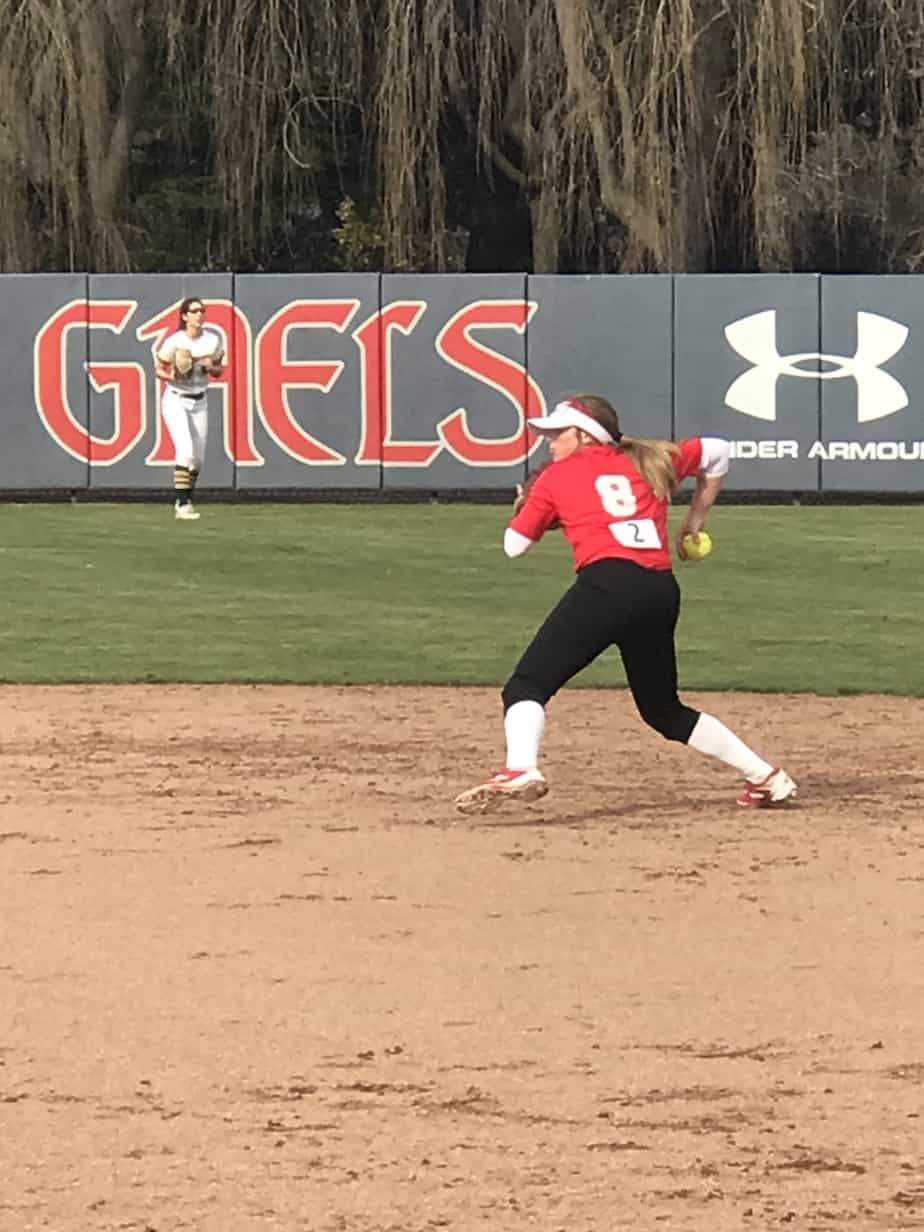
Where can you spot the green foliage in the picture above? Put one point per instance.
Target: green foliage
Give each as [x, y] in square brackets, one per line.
[792, 599]
[359, 240]
[172, 220]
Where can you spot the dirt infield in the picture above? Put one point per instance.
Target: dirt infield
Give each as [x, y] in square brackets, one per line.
[256, 974]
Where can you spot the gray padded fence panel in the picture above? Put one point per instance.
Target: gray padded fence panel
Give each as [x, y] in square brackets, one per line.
[459, 391]
[44, 440]
[608, 335]
[314, 374]
[872, 401]
[745, 368]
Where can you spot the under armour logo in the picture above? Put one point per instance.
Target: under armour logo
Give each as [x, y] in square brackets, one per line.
[878, 339]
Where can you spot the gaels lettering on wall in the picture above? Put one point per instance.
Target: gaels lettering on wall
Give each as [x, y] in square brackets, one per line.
[126, 380]
[260, 377]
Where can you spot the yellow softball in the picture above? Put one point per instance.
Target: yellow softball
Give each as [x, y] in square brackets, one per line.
[697, 547]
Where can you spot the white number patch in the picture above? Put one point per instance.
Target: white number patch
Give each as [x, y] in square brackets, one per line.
[637, 533]
[618, 500]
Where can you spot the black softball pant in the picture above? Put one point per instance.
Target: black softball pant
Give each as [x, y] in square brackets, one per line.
[612, 603]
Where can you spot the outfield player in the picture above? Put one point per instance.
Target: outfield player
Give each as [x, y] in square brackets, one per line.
[185, 361]
[611, 495]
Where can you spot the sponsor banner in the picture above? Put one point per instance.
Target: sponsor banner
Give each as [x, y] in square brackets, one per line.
[746, 367]
[872, 395]
[35, 404]
[455, 391]
[312, 367]
[125, 319]
[609, 335]
[426, 381]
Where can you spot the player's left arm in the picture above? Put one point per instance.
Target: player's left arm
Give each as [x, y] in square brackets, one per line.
[710, 470]
[214, 364]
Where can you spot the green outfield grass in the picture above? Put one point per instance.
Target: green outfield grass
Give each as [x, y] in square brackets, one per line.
[816, 599]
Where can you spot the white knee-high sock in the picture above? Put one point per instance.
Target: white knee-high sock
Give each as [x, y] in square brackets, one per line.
[524, 724]
[716, 740]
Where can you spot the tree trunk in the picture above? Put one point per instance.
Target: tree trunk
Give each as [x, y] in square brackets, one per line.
[108, 128]
[642, 225]
[546, 237]
[711, 70]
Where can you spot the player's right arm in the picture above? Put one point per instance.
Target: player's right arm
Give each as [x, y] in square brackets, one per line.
[711, 469]
[163, 361]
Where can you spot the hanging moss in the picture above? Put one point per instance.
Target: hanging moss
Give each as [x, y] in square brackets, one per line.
[629, 135]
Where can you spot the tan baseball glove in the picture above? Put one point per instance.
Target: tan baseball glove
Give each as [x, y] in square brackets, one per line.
[182, 362]
[522, 494]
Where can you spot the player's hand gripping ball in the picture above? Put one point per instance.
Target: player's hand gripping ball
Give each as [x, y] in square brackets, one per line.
[697, 547]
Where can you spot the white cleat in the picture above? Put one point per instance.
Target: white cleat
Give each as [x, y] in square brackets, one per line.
[776, 788]
[185, 513]
[524, 785]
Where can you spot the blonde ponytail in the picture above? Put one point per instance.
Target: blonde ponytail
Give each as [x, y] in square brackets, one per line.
[655, 461]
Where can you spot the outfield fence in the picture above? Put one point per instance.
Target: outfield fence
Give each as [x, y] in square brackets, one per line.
[399, 383]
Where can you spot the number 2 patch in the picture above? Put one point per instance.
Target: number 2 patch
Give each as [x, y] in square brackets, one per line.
[641, 533]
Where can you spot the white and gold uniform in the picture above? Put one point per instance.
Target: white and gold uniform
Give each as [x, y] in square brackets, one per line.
[184, 403]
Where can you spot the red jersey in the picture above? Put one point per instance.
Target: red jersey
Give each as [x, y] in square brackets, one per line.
[605, 507]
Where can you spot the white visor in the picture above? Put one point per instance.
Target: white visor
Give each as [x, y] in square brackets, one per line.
[570, 415]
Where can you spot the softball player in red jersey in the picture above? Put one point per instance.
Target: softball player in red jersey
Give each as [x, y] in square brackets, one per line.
[611, 496]
[184, 404]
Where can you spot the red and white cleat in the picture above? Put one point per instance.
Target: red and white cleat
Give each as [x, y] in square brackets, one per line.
[776, 788]
[523, 785]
